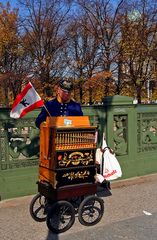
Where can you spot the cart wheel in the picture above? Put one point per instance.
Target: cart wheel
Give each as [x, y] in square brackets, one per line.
[61, 217]
[91, 210]
[37, 208]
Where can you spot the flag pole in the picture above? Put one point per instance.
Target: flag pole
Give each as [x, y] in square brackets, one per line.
[47, 110]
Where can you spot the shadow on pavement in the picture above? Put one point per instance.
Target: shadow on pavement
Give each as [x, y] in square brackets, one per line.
[101, 192]
[52, 236]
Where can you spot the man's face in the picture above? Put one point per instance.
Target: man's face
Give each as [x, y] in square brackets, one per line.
[64, 95]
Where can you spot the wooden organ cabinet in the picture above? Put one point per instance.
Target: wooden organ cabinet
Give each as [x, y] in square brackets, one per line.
[67, 157]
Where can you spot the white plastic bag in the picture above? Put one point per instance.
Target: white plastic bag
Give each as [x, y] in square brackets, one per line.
[111, 166]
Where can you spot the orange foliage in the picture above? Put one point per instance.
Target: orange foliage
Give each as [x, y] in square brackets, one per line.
[96, 84]
[8, 26]
[99, 78]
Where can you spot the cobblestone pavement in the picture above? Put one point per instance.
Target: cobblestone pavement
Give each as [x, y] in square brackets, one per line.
[130, 204]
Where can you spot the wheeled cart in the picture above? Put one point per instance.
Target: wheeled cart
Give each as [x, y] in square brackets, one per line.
[66, 185]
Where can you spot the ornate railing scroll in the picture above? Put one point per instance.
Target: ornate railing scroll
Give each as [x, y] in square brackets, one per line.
[147, 132]
[120, 127]
[19, 143]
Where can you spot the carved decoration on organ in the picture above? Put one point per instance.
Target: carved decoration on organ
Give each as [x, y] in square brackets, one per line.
[76, 158]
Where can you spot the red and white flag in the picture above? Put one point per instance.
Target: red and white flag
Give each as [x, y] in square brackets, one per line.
[25, 102]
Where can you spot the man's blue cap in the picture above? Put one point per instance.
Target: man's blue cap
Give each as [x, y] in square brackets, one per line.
[66, 85]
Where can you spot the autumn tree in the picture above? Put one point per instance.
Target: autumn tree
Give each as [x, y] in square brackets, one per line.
[139, 31]
[44, 26]
[82, 55]
[98, 84]
[104, 24]
[13, 62]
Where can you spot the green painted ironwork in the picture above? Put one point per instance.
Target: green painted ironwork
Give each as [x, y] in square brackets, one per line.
[130, 130]
[120, 134]
[147, 132]
[19, 144]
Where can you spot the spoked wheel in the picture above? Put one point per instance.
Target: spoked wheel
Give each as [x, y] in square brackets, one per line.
[37, 208]
[61, 217]
[91, 210]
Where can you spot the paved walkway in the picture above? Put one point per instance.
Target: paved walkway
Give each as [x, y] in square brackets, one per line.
[128, 199]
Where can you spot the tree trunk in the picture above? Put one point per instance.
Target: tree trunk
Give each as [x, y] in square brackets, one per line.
[90, 95]
[81, 94]
[138, 92]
